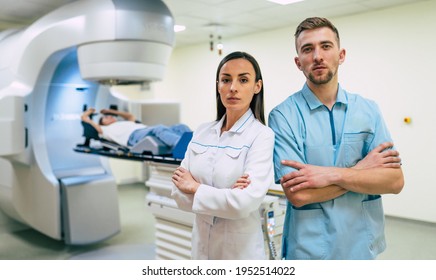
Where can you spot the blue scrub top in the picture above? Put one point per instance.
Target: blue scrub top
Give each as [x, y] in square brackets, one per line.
[350, 226]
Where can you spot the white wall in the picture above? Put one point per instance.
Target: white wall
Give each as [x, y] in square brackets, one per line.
[390, 58]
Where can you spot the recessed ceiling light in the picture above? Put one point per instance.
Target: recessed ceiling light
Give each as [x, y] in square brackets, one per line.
[178, 28]
[284, 2]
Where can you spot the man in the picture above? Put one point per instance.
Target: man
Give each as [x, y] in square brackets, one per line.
[128, 132]
[333, 156]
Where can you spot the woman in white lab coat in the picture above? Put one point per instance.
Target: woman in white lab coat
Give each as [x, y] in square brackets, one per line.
[228, 167]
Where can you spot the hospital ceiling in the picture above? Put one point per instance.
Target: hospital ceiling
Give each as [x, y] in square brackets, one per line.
[225, 18]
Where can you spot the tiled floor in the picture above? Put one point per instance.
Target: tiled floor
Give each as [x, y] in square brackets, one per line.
[407, 240]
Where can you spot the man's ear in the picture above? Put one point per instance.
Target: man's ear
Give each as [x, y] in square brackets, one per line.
[297, 62]
[342, 54]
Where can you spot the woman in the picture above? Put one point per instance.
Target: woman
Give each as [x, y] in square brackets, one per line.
[227, 169]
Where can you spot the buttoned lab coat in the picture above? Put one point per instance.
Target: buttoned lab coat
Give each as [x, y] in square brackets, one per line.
[227, 223]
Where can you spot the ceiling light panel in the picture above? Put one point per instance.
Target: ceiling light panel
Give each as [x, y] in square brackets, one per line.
[285, 2]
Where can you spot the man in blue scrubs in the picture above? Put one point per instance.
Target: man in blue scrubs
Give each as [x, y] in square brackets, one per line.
[333, 156]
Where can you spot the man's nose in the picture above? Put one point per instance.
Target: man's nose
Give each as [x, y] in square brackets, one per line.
[317, 55]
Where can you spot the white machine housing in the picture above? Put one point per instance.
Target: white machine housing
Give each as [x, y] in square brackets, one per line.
[48, 72]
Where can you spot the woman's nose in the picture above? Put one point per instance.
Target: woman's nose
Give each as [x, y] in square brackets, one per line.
[233, 87]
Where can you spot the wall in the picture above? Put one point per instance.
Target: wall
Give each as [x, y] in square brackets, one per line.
[390, 59]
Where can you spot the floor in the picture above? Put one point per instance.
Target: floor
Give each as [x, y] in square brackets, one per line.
[407, 240]
[134, 242]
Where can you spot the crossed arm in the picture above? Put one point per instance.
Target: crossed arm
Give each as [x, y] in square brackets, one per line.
[184, 181]
[378, 173]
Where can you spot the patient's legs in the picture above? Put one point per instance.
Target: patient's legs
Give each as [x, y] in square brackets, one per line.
[168, 135]
[180, 128]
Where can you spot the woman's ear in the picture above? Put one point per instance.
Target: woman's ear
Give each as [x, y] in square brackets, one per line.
[258, 86]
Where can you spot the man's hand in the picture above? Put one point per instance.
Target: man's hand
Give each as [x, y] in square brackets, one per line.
[108, 111]
[86, 114]
[306, 176]
[311, 176]
[381, 156]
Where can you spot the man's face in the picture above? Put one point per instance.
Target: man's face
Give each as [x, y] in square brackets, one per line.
[108, 119]
[319, 55]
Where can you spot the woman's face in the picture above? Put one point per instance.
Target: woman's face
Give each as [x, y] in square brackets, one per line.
[237, 85]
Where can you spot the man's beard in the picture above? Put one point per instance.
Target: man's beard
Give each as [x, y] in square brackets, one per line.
[321, 80]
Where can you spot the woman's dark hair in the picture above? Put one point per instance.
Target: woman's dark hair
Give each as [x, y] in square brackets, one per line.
[256, 105]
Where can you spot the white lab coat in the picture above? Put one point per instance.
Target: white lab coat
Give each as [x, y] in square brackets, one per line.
[228, 223]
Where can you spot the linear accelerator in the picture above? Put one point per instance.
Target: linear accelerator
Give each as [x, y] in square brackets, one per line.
[49, 71]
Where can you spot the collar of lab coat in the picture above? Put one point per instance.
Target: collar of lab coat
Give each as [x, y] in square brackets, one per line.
[314, 102]
[240, 124]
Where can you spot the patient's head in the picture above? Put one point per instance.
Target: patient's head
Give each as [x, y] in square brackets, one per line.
[107, 120]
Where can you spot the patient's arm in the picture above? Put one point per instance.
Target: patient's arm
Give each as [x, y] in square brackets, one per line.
[86, 118]
[125, 115]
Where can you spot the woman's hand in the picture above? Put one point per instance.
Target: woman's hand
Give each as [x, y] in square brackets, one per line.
[184, 181]
[242, 182]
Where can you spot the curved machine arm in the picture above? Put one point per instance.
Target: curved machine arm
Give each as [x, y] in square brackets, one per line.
[118, 41]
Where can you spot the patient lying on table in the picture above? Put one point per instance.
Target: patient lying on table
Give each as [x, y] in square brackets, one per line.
[128, 132]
